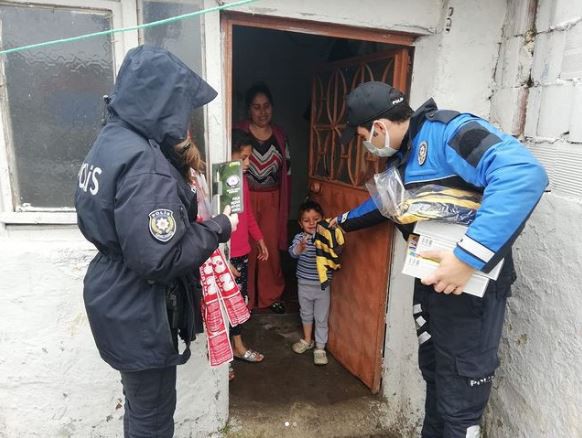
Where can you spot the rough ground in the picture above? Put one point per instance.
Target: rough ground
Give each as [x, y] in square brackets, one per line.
[288, 396]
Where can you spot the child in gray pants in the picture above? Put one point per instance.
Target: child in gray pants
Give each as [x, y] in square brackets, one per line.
[313, 301]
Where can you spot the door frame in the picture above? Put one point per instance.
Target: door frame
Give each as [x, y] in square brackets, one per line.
[230, 19]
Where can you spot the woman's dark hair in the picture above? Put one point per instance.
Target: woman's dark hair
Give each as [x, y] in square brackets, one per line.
[258, 88]
[240, 139]
[309, 205]
[398, 113]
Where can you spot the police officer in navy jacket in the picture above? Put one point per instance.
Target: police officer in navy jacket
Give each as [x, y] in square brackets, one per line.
[141, 291]
[458, 333]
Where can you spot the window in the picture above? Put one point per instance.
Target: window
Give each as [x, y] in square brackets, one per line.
[53, 99]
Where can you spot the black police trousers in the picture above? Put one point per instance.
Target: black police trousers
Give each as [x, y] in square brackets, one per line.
[458, 339]
[150, 402]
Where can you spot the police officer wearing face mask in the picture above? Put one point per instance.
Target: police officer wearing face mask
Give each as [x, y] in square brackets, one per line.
[458, 333]
[141, 290]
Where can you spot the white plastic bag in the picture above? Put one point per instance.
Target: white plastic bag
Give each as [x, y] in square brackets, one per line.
[426, 202]
[388, 192]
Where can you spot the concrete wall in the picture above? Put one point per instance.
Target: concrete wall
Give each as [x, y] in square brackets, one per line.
[456, 65]
[53, 381]
[415, 16]
[537, 391]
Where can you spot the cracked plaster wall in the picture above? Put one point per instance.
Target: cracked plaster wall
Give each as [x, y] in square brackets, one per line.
[414, 16]
[53, 381]
[539, 96]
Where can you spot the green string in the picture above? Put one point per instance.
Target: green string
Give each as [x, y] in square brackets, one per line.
[126, 29]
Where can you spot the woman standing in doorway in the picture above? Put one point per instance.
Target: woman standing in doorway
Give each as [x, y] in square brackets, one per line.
[269, 178]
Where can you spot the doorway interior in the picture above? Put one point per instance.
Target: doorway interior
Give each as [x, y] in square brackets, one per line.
[309, 68]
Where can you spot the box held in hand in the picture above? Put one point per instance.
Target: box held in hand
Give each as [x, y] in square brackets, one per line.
[435, 235]
[227, 185]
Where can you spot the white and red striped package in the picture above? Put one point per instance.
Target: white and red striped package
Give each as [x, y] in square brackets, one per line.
[220, 291]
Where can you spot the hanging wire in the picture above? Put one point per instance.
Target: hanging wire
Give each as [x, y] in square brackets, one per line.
[220, 7]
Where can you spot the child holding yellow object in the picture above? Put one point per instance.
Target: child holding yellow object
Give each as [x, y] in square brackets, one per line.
[313, 300]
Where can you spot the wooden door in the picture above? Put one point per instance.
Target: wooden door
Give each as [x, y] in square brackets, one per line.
[337, 175]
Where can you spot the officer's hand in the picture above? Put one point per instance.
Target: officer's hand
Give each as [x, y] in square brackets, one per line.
[451, 276]
[233, 218]
[333, 223]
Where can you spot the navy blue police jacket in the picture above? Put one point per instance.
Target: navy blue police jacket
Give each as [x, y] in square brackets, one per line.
[464, 151]
[138, 211]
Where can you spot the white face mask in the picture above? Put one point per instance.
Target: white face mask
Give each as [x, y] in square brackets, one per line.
[385, 151]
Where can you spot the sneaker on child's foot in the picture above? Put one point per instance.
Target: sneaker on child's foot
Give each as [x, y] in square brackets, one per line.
[302, 346]
[319, 357]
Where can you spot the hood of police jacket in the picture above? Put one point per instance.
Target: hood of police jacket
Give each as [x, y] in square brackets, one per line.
[155, 94]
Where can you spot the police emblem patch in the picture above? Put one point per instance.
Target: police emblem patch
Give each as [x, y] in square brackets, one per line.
[422, 152]
[232, 180]
[162, 224]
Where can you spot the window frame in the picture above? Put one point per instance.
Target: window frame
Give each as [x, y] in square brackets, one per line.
[124, 13]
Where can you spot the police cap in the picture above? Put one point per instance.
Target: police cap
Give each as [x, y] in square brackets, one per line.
[367, 102]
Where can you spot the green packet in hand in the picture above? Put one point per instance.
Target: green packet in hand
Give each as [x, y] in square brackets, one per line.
[227, 180]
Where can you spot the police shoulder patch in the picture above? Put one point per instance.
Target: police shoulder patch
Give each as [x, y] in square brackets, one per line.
[162, 224]
[422, 152]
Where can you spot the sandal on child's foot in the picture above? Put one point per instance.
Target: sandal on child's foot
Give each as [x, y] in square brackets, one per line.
[231, 374]
[250, 356]
[278, 307]
[302, 346]
[319, 357]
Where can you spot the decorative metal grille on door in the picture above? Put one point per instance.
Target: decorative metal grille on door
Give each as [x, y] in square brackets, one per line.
[347, 164]
[336, 176]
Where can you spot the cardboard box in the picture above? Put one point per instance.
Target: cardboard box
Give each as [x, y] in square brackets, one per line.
[435, 235]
